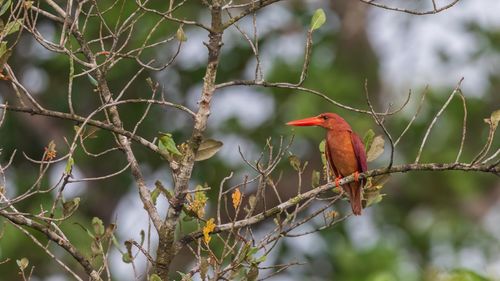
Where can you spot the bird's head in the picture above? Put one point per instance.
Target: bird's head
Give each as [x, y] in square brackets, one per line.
[329, 121]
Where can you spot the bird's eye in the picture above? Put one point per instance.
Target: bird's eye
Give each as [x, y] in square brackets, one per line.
[324, 117]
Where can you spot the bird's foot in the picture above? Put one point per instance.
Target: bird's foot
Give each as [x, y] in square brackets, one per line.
[356, 176]
[337, 182]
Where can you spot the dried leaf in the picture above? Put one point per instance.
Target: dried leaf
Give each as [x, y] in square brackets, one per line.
[252, 201]
[333, 214]
[207, 149]
[376, 149]
[322, 150]
[181, 36]
[495, 118]
[167, 144]
[28, 4]
[207, 229]
[50, 151]
[368, 139]
[23, 263]
[203, 268]
[318, 19]
[236, 196]
[197, 204]
[110, 229]
[253, 273]
[185, 276]
[294, 162]
[315, 177]
[71, 206]
[96, 248]
[91, 133]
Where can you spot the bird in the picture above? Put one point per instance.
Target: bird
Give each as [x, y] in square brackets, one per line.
[344, 151]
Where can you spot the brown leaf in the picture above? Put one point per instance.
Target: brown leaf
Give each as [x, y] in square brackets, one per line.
[376, 149]
[207, 149]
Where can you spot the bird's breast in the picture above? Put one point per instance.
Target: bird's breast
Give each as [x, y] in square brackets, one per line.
[342, 151]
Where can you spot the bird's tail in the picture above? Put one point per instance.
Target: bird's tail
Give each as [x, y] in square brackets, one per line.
[355, 197]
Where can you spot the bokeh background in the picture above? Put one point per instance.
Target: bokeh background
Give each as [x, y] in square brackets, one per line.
[429, 226]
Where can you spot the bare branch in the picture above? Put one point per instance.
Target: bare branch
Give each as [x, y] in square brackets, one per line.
[424, 140]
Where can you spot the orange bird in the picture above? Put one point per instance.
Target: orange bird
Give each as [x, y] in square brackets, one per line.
[345, 153]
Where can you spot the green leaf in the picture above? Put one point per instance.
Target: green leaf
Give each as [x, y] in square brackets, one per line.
[318, 19]
[92, 80]
[372, 197]
[463, 274]
[376, 149]
[5, 7]
[181, 36]
[154, 194]
[322, 150]
[252, 251]
[69, 165]
[167, 144]
[261, 259]
[12, 27]
[127, 258]
[154, 277]
[207, 149]
[368, 139]
[98, 226]
[71, 206]
[315, 177]
[4, 53]
[23, 263]
[294, 162]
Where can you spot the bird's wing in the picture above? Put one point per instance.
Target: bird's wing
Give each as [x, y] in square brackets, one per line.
[359, 150]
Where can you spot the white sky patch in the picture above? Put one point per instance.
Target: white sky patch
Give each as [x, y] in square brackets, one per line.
[472, 258]
[250, 107]
[30, 48]
[193, 53]
[362, 230]
[410, 47]
[131, 218]
[34, 79]
[229, 151]
[288, 47]
[71, 190]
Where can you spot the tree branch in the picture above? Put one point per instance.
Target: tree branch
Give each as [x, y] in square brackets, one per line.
[51, 235]
[316, 191]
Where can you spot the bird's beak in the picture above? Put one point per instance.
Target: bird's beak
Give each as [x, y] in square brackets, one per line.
[312, 121]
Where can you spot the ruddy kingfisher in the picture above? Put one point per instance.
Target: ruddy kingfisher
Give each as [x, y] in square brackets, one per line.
[344, 151]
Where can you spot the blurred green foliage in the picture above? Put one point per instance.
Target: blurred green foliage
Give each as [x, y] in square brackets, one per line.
[422, 212]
